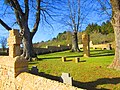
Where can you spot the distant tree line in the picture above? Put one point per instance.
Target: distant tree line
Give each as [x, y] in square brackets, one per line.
[99, 34]
[105, 28]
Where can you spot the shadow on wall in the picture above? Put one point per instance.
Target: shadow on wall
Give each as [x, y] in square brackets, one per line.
[85, 85]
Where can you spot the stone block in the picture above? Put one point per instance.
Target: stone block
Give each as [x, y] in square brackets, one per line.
[14, 40]
[63, 59]
[14, 32]
[109, 47]
[14, 50]
[21, 65]
[77, 60]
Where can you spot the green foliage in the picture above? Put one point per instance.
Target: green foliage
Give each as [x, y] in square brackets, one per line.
[61, 39]
[89, 73]
[91, 28]
[98, 34]
[99, 38]
[105, 28]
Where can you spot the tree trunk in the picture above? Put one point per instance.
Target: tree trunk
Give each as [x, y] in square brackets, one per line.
[116, 25]
[28, 51]
[75, 47]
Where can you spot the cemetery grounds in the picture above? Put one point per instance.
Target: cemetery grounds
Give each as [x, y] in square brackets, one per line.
[90, 73]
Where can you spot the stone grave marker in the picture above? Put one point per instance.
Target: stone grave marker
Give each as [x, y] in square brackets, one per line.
[34, 70]
[77, 59]
[63, 59]
[65, 78]
[109, 47]
[86, 46]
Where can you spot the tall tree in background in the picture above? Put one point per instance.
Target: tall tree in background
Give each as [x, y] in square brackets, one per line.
[23, 11]
[116, 25]
[74, 23]
[74, 16]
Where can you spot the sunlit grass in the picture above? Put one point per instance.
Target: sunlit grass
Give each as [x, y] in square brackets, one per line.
[89, 73]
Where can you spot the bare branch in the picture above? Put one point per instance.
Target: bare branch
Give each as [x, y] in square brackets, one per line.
[103, 7]
[26, 9]
[18, 19]
[17, 7]
[78, 22]
[37, 18]
[46, 20]
[5, 25]
[48, 14]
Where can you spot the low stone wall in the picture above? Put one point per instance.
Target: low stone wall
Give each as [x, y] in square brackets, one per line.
[100, 46]
[14, 76]
[51, 49]
[10, 68]
[27, 81]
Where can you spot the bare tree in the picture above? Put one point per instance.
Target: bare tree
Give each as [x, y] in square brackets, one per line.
[74, 17]
[3, 42]
[22, 10]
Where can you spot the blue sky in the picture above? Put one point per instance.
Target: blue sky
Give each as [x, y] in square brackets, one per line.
[45, 32]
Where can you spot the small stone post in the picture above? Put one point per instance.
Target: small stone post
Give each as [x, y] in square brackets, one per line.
[77, 60]
[86, 46]
[63, 59]
[14, 42]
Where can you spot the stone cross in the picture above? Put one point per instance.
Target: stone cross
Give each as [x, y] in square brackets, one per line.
[34, 70]
[14, 42]
[65, 78]
[86, 46]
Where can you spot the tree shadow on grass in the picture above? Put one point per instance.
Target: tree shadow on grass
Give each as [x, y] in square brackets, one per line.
[92, 85]
[102, 53]
[84, 85]
[74, 56]
[33, 62]
[49, 58]
[59, 57]
[94, 53]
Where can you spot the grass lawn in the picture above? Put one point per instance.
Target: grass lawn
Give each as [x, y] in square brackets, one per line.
[90, 73]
